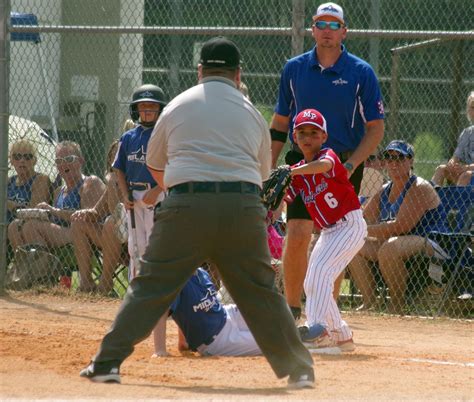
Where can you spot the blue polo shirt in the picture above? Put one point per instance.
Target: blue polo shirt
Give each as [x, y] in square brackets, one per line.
[347, 94]
[131, 155]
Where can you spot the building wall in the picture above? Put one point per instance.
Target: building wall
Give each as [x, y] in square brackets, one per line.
[27, 87]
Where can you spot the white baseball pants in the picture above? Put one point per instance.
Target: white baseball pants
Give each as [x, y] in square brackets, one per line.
[235, 338]
[144, 215]
[333, 251]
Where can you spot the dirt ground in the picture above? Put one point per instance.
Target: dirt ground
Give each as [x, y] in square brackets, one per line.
[46, 339]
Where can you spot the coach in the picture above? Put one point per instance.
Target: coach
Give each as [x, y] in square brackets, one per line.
[211, 149]
[345, 90]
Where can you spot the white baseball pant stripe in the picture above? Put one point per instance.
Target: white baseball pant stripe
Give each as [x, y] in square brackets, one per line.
[333, 251]
[144, 215]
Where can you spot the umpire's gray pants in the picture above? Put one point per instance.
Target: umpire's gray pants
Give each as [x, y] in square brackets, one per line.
[230, 230]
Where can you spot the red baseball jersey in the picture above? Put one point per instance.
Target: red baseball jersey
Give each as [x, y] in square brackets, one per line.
[327, 196]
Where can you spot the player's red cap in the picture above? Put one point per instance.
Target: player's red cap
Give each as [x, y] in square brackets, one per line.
[310, 116]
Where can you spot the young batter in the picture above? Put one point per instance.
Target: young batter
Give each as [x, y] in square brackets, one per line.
[133, 175]
[321, 181]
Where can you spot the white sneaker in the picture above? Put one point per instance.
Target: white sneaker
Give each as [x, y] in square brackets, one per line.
[324, 344]
[347, 345]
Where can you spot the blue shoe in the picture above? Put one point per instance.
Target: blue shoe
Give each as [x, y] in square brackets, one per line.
[309, 334]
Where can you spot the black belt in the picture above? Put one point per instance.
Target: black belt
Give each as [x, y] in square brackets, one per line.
[343, 219]
[139, 186]
[215, 187]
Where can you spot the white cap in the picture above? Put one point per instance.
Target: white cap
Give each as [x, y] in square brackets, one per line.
[331, 9]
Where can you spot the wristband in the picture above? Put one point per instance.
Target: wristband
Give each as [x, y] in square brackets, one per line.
[279, 136]
[349, 166]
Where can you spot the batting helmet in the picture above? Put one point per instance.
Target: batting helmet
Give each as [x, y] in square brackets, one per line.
[145, 93]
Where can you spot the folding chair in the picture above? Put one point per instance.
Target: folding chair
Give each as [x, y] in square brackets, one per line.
[457, 209]
[454, 271]
[120, 276]
[455, 206]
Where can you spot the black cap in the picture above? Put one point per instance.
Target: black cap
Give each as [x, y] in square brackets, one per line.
[220, 52]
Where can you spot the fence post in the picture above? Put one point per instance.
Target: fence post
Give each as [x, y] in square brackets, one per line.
[457, 97]
[374, 42]
[297, 27]
[4, 114]
[176, 54]
[392, 121]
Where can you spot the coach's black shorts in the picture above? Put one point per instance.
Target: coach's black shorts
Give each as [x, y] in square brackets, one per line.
[297, 209]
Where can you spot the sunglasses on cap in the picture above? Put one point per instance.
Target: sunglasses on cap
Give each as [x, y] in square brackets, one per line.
[333, 25]
[395, 157]
[26, 157]
[66, 159]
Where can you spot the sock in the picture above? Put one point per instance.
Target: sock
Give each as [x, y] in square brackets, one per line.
[296, 311]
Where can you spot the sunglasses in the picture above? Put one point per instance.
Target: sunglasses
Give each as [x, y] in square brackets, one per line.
[26, 157]
[395, 158]
[66, 159]
[333, 25]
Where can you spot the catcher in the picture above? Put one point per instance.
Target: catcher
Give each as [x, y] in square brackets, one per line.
[321, 181]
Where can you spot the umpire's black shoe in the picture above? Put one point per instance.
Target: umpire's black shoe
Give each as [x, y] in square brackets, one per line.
[108, 372]
[301, 380]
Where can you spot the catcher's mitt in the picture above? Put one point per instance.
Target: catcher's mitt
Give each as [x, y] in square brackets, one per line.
[274, 188]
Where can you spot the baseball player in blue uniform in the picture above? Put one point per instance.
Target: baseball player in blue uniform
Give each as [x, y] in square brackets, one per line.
[207, 326]
[134, 178]
[129, 163]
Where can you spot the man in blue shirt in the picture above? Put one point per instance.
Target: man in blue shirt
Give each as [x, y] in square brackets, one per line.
[345, 90]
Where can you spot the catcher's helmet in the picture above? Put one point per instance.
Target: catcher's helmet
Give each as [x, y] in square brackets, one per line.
[146, 93]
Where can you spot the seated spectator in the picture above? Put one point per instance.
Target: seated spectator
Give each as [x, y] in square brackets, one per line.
[98, 226]
[26, 188]
[398, 216]
[459, 169]
[128, 124]
[78, 192]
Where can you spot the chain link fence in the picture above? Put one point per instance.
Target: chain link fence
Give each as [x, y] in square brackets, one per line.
[73, 66]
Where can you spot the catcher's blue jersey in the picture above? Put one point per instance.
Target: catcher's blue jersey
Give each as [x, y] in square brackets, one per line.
[197, 311]
[131, 155]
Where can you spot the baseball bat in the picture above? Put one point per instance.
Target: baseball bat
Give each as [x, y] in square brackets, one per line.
[135, 254]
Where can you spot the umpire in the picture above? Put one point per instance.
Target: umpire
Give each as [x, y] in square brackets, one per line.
[210, 149]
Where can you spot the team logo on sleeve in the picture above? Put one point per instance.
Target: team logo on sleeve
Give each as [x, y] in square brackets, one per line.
[380, 107]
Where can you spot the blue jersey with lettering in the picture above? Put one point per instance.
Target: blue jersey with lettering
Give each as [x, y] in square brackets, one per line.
[197, 311]
[21, 194]
[131, 156]
[347, 94]
[388, 211]
[71, 201]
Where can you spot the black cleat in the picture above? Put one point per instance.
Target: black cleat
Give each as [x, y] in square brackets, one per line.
[301, 380]
[107, 372]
